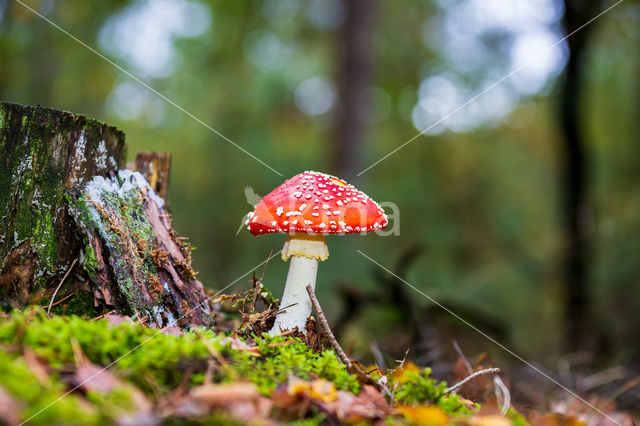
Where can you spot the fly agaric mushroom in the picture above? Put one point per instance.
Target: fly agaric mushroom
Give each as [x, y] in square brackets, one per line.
[309, 206]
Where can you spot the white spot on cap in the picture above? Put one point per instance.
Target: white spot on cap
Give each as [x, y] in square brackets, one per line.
[279, 211]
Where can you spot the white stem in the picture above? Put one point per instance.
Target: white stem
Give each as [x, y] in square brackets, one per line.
[302, 272]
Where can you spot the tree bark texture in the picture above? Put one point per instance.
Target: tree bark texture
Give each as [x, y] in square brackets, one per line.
[63, 197]
[132, 253]
[44, 153]
[155, 167]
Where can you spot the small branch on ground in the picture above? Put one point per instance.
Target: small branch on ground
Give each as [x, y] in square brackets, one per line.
[325, 328]
[324, 324]
[471, 377]
[60, 285]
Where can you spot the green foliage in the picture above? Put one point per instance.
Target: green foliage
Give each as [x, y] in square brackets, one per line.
[420, 388]
[283, 357]
[157, 363]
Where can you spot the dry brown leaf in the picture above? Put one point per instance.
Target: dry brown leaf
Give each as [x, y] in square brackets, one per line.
[239, 345]
[93, 378]
[37, 367]
[115, 320]
[216, 395]
[171, 331]
[296, 398]
[555, 419]
[9, 409]
[241, 401]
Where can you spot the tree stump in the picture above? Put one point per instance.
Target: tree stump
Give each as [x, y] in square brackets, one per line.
[44, 153]
[132, 253]
[63, 197]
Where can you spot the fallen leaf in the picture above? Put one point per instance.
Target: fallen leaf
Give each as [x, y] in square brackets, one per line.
[93, 378]
[491, 420]
[400, 375]
[241, 401]
[320, 389]
[555, 419]
[37, 367]
[216, 395]
[171, 331]
[423, 414]
[239, 345]
[9, 409]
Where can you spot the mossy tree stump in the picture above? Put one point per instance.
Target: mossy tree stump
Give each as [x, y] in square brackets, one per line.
[43, 154]
[63, 197]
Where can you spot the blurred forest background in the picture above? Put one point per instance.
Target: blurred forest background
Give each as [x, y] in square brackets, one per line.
[520, 212]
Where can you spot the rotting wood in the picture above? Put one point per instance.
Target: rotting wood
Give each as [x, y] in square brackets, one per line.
[44, 153]
[155, 167]
[64, 197]
[134, 255]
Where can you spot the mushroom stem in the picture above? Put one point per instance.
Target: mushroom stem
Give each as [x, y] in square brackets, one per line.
[305, 251]
[295, 302]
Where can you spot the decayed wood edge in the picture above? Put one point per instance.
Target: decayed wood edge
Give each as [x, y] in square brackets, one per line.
[156, 168]
[139, 265]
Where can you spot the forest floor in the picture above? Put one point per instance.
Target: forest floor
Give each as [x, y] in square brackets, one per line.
[65, 369]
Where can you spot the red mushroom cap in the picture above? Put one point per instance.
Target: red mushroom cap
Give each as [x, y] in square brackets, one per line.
[316, 203]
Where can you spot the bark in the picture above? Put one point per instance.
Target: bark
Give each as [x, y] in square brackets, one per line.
[132, 254]
[576, 168]
[44, 153]
[353, 78]
[155, 167]
[63, 197]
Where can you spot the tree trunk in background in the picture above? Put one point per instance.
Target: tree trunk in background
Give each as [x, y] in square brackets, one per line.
[575, 169]
[354, 75]
[44, 153]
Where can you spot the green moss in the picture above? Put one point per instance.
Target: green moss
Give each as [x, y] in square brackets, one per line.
[157, 364]
[420, 388]
[284, 357]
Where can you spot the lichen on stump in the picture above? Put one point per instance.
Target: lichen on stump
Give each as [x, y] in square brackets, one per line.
[132, 253]
[44, 153]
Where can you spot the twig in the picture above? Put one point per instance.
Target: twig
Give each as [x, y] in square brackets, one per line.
[381, 383]
[325, 326]
[103, 315]
[65, 298]
[471, 377]
[60, 285]
[258, 284]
